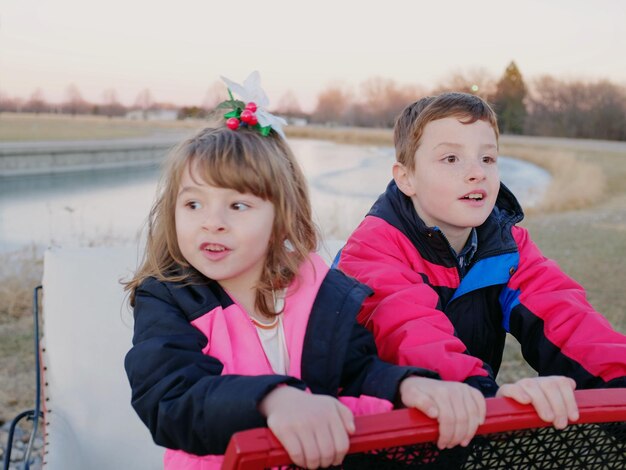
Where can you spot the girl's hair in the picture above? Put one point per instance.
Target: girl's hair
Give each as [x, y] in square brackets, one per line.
[412, 120]
[247, 162]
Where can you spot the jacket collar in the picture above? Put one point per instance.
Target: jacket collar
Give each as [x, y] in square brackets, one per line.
[397, 209]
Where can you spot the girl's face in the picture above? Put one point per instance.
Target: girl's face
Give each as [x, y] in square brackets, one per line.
[222, 233]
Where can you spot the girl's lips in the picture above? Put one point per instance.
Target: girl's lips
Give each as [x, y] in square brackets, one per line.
[214, 251]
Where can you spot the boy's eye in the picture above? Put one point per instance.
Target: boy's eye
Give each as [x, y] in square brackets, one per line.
[488, 159]
[239, 206]
[450, 158]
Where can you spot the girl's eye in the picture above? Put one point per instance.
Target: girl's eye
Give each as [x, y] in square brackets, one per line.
[450, 158]
[240, 206]
[489, 159]
[193, 205]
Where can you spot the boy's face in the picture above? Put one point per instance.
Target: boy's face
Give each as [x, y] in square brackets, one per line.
[456, 181]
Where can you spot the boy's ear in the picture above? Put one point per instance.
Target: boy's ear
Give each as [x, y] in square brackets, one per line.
[401, 177]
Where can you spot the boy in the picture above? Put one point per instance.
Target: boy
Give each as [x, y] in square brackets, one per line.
[452, 273]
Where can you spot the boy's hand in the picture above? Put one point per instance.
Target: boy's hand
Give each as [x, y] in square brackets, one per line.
[458, 408]
[313, 429]
[552, 397]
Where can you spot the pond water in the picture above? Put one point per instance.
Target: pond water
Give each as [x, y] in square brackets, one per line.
[110, 206]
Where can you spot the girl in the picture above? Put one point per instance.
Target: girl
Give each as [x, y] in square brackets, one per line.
[239, 324]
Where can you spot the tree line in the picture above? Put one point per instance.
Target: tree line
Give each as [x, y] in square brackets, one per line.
[544, 106]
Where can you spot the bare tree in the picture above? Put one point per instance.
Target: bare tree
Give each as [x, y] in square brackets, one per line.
[215, 94]
[144, 101]
[607, 114]
[8, 104]
[333, 105]
[36, 103]
[477, 81]
[289, 105]
[383, 100]
[74, 101]
[110, 103]
[577, 109]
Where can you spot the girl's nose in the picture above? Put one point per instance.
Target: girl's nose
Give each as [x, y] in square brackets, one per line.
[214, 222]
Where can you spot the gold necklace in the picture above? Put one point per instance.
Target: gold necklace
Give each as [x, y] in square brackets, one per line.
[265, 326]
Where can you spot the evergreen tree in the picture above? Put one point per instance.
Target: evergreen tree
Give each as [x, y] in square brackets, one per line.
[509, 101]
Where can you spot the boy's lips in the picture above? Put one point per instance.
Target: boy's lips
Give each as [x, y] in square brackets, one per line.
[476, 195]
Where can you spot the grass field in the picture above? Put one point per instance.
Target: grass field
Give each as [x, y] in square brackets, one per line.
[581, 224]
[43, 127]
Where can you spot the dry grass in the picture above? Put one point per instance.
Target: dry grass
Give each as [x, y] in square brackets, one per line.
[42, 127]
[575, 183]
[581, 224]
[20, 272]
[17, 359]
[343, 135]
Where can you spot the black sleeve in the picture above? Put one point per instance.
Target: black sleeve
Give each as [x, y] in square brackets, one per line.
[178, 391]
[364, 373]
[339, 354]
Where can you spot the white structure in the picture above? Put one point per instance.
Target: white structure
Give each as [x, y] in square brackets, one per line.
[87, 330]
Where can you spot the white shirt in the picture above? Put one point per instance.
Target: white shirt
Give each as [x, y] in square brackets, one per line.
[272, 336]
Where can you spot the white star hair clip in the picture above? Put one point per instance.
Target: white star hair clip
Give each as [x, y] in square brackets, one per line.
[252, 111]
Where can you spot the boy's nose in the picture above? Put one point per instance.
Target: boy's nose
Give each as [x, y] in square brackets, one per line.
[475, 172]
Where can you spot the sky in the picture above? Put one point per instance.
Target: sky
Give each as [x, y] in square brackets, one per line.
[177, 50]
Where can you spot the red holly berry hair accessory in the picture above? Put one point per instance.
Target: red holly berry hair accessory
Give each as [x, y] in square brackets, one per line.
[251, 111]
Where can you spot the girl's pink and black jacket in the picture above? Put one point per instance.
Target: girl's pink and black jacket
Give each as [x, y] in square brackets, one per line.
[198, 371]
[424, 312]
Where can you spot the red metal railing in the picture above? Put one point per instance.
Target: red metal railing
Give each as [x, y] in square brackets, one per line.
[258, 448]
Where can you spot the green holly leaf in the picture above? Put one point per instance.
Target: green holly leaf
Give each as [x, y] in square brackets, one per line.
[231, 104]
[265, 131]
[234, 113]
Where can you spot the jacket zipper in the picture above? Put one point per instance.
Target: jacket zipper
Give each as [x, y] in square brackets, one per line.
[450, 250]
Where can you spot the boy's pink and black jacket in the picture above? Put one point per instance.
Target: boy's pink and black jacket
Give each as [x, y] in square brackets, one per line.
[198, 372]
[424, 313]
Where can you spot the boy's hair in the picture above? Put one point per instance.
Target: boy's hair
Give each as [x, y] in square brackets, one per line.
[247, 162]
[410, 124]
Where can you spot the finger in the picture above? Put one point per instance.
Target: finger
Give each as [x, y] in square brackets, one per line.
[446, 418]
[326, 443]
[341, 442]
[347, 418]
[423, 402]
[293, 447]
[474, 414]
[539, 400]
[562, 399]
[310, 449]
[446, 429]
[554, 394]
[481, 405]
[570, 399]
[516, 392]
[462, 421]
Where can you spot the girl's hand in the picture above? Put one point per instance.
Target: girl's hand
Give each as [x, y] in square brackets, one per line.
[458, 408]
[552, 397]
[313, 429]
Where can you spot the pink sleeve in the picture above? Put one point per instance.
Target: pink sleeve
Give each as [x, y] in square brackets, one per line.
[555, 320]
[366, 405]
[403, 314]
